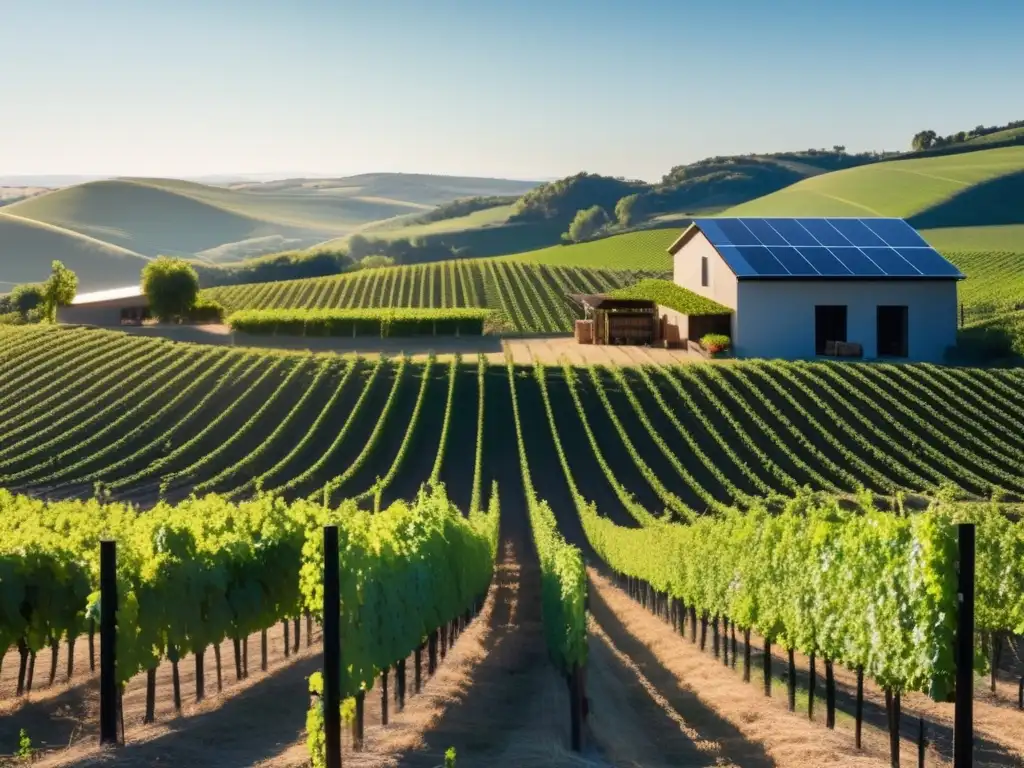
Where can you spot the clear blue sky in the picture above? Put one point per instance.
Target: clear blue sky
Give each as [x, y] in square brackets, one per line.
[527, 89]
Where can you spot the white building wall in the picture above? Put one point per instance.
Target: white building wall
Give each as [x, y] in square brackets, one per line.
[678, 319]
[686, 271]
[722, 283]
[775, 318]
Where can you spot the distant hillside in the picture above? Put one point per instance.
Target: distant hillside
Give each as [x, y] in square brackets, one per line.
[425, 190]
[221, 224]
[960, 202]
[27, 248]
[142, 217]
[12, 194]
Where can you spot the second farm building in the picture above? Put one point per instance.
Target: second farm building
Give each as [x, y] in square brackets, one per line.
[805, 287]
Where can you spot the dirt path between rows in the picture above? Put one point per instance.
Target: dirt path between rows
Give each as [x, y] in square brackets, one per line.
[737, 723]
[998, 724]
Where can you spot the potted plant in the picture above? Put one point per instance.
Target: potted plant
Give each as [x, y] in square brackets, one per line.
[716, 344]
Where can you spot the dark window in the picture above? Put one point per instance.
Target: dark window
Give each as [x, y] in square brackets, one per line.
[829, 325]
[704, 271]
[892, 331]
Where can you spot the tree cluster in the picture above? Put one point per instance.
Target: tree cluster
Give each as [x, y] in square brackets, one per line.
[587, 223]
[559, 201]
[38, 302]
[931, 140]
[287, 265]
[402, 250]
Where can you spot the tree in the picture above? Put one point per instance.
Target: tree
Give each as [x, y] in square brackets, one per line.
[25, 298]
[625, 208]
[171, 286]
[839, 149]
[923, 140]
[59, 290]
[587, 223]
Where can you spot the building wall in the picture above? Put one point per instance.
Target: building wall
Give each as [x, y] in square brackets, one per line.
[677, 319]
[775, 318]
[722, 283]
[104, 315]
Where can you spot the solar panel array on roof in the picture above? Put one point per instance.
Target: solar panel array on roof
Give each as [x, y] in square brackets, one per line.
[825, 247]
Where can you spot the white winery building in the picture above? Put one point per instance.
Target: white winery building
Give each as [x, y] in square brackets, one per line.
[797, 286]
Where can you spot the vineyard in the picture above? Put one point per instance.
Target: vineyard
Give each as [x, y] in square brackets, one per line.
[144, 419]
[527, 298]
[771, 470]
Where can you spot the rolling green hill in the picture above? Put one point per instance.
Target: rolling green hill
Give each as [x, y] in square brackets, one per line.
[221, 224]
[646, 250]
[1005, 135]
[27, 247]
[959, 202]
[409, 227]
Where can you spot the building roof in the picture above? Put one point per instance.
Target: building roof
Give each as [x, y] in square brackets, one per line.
[821, 248]
[668, 294]
[114, 294]
[604, 301]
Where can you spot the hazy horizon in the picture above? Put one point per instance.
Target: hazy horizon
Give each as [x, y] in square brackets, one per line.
[531, 90]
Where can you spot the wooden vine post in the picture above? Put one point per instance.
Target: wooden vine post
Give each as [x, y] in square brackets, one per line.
[108, 643]
[577, 707]
[963, 716]
[332, 648]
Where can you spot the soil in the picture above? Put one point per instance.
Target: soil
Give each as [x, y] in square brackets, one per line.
[736, 724]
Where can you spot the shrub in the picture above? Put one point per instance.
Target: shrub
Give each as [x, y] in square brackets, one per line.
[996, 339]
[206, 311]
[376, 260]
[361, 322]
[715, 342]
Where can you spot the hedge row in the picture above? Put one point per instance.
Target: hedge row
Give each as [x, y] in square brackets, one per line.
[668, 294]
[361, 322]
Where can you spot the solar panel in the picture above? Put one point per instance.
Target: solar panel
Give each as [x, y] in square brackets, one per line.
[825, 262]
[823, 231]
[859, 262]
[762, 261]
[824, 247]
[736, 262]
[764, 232]
[794, 234]
[737, 233]
[896, 233]
[928, 261]
[791, 259]
[857, 233]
